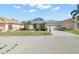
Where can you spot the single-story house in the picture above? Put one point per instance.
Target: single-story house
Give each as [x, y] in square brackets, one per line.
[7, 24]
[57, 25]
[71, 24]
[38, 24]
[54, 25]
[50, 25]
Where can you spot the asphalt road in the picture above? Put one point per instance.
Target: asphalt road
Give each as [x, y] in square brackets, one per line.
[59, 43]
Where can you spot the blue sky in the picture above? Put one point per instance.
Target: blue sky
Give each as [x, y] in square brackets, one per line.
[26, 12]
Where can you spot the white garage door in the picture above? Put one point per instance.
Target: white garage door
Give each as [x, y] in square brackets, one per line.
[52, 28]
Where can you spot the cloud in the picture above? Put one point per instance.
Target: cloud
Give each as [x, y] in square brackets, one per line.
[40, 6]
[17, 7]
[31, 11]
[33, 5]
[56, 8]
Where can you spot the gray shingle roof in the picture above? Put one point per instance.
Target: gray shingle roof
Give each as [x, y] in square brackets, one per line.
[52, 22]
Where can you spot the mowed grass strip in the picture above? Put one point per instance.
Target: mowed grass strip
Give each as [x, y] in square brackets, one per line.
[74, 31]
[24, 33]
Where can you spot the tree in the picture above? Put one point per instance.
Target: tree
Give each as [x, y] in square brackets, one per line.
[38, 19]
[29, 22]
[26, 24]
[39, 23]
[75, 13]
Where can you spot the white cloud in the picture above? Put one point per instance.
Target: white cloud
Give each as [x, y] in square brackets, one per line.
[56, 8]
[16, 6]
[31, 11]
[42, 6]
[33, 5]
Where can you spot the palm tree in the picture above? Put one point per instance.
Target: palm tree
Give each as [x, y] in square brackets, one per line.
[75, 13]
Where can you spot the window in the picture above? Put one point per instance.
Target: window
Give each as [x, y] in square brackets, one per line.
[10, 26]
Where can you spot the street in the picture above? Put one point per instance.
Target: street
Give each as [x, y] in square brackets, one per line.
[58, 43]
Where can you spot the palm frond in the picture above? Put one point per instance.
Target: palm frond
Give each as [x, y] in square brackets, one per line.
[73, 11]
[74, 15]
[78, 6]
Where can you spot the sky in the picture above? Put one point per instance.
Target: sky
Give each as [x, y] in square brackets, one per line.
[25, 12]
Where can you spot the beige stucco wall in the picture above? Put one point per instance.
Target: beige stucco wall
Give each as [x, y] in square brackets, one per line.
[75, 24]
[15, 27]
[1, 28]
[5, 27]
[69, 24]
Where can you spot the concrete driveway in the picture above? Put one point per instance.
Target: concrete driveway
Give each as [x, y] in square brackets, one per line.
[63, 34]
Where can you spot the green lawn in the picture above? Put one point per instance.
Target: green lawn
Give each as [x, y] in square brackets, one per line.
[24, 33]
[74, 31]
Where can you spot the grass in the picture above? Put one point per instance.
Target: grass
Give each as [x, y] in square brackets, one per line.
[24, 33]
[74, 31]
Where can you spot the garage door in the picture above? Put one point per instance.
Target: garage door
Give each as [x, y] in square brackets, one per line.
[52, 28]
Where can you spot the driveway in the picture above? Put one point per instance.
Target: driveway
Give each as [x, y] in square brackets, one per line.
[63, 34]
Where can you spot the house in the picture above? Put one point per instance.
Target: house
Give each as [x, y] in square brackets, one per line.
[39, 24]
[71, 24]
[57, 25]
[54, 25]
[7, 24]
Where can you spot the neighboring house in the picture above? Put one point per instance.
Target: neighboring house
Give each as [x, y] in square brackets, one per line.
[71, 24]
[50, 25]
[58, 25]
[7, 24]
[38, 24]
[54, 25]
[29, 27]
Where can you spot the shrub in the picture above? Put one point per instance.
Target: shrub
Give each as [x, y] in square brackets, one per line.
[63, 28]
